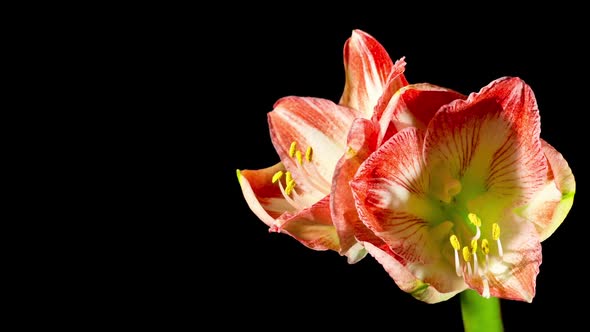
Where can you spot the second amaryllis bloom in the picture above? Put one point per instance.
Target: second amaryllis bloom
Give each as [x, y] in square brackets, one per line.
[310, 136]
[466, 201]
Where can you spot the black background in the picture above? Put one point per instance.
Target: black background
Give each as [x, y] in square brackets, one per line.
[252, 59]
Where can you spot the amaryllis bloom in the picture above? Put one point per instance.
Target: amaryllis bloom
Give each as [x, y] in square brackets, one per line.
[411, 106]
[310, 136]
[465, 200]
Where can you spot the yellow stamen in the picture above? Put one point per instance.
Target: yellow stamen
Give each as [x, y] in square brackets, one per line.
[455, 242]
[290, 200]
[474, 219]
[288, 178]
[308, 153]
[290, 186]
[485, 246]
[467, 258]
[496, 237]
[299, 157]
[456, 246]
[473, 246]
[278, 175]
[292, 149]
[350, 152]
[474, 253]
[466, 254]
[495, 231]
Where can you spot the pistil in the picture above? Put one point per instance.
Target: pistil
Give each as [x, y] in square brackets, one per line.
[475, 220]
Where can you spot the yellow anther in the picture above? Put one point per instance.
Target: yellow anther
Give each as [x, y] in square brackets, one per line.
[292, 149]
[288, 178]
[299, 157]
[455, 242]
[290, 186]
[466, 254]
[495, 231]
[308, 153]
[473, 246]
[496, 237]
[485, 246]
[474, 219]
[350, 152]
[278, 175]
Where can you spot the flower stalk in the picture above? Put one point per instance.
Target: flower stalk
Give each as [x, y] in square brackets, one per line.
[480, 314]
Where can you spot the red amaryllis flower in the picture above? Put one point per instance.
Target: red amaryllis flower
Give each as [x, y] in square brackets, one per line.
[411, 106]
[310, 136]
[465, 200]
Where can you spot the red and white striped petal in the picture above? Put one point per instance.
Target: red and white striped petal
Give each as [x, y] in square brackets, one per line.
[551, 204]
[512, 276]
[490, 143]
[408, 282]
[264, 197]
[367, 68]
[361, 143]
[395, 82]
[412, 106]
[313, 123]
[311, 226]
[390, 192]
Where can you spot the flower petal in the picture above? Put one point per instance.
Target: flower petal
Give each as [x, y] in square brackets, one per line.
[394, 83]
[367, 67]
[513, 276]
[552, 203]
[390, 195]
[311, 226]
[490, 143]
[361, 143]
[263, 197]
[412, 106]
[389, 191]
[313, 123]
[405, 280]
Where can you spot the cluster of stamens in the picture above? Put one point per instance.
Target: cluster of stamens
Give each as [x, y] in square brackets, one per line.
[305, 168]
[470, 253]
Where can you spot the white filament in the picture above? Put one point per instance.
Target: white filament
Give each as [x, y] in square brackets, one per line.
[289, 199]
[486, 289]
[500, 251]
[457, 264]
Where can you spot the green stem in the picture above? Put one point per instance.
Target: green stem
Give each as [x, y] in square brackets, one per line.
[480, 314]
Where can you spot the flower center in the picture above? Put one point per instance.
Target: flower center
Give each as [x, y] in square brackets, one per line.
[307, 169]
[476, 251]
